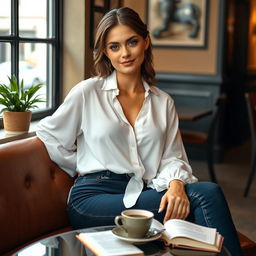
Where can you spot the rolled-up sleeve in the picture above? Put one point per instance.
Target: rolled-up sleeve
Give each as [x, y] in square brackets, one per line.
[174, 164]
[59, 131]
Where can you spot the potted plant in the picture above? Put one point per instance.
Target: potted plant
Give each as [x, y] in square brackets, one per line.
[17, 102]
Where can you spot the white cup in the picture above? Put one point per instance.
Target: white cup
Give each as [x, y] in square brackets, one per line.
[135, 222]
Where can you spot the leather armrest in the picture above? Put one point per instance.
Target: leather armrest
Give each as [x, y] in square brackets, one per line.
[33, 193]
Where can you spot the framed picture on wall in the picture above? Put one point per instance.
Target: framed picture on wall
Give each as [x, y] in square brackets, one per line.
[178, 23]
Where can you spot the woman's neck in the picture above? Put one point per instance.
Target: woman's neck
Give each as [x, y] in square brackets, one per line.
[129, 83]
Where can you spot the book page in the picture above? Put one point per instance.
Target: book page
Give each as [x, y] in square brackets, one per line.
[105, 243]
[157, 225]
[181, 228]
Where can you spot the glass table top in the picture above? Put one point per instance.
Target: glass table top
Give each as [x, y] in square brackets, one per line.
[66, 244]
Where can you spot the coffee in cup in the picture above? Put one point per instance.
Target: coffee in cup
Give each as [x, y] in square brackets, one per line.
[135, 222]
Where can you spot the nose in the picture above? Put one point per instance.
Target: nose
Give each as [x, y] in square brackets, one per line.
[125, 52]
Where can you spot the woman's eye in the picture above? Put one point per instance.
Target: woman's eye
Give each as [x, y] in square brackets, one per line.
[114, 47]
[133, 42]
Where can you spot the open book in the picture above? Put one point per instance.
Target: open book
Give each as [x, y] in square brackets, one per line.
[184, 234]
[104, 243]
[177, 234]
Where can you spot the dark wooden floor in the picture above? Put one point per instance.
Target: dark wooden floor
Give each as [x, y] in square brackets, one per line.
[232, 175]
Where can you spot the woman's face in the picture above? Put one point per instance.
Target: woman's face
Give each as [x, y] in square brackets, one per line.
[125, 49]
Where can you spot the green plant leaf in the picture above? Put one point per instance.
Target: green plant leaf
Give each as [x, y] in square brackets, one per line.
[21, 87]
[15, 98]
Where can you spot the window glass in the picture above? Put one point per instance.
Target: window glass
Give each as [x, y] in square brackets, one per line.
[32, 67]
[5, 17]
[32, 18]
[5, 62]
[29, 47]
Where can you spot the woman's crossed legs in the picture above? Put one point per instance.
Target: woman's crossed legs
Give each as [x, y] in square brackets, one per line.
[96, 199]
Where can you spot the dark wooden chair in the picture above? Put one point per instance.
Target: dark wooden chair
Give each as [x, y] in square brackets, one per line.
[250, 98]
[206, 138]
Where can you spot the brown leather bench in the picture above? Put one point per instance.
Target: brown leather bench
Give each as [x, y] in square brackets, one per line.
[33, 194]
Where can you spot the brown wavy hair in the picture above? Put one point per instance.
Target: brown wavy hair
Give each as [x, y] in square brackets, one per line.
[128, 17]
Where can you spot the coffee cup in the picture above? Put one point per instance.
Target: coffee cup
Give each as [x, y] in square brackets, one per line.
[135, 222]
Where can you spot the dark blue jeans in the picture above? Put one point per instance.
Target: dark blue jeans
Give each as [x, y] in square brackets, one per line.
[95, 200]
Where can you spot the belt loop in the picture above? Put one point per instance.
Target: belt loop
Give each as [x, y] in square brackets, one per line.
[105, 174]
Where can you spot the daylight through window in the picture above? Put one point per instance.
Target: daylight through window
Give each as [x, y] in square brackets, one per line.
[30, 46]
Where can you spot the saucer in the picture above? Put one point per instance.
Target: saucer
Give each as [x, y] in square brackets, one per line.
[122, 234]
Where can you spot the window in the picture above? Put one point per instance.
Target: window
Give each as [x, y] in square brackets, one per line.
[30, 47]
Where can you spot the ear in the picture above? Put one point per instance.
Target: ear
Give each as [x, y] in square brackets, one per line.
[147, 42]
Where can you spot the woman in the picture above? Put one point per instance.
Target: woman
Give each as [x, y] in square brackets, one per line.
[120, 134]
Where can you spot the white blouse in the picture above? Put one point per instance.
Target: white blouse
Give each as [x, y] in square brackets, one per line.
[89, 133]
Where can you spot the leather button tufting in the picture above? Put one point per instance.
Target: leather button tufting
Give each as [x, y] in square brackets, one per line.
[52, 173]
[28, 181]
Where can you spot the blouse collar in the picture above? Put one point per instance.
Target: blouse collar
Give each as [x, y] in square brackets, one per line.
[111, 84]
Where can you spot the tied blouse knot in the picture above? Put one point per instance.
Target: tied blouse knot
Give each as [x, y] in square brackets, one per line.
[89, 133]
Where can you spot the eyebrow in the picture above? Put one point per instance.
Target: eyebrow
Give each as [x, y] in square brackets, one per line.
[132, 37]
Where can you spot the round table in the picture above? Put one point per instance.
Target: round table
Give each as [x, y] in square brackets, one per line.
[66, 244]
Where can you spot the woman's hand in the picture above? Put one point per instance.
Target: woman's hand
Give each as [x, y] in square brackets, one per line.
[176, 200]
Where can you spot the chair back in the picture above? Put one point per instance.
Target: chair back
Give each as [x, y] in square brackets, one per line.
[33, 193]
[251, 108]
[217, 110]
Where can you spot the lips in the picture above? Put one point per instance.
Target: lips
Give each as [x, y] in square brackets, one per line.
[127, 63]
